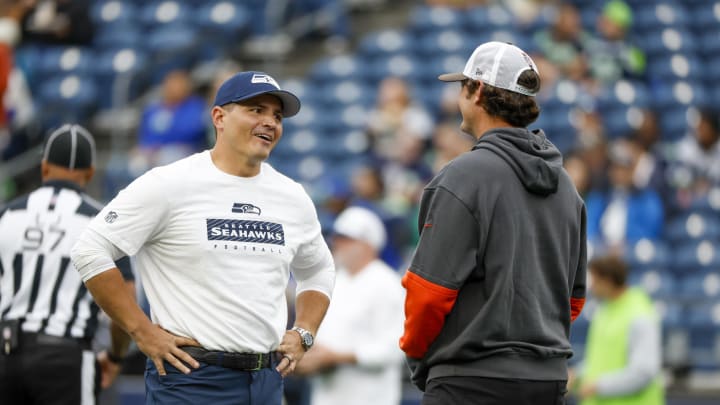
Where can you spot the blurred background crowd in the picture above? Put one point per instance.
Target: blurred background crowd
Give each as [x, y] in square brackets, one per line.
[630, 95]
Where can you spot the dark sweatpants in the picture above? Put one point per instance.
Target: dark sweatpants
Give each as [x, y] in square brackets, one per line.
[49, 374]
[493, 391]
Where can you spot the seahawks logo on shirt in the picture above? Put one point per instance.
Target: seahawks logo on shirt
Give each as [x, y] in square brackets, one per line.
[244, 208]
[236, 230]
[111, 217]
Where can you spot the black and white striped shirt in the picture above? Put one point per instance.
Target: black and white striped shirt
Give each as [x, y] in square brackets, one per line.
[38, 283]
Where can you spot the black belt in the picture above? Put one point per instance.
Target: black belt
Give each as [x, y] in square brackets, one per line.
[235, 361]
[43, 339]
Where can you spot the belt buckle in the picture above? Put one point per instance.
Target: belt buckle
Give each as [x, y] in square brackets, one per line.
[259, 363]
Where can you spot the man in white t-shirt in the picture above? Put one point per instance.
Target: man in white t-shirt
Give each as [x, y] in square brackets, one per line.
[215, 236]
[356, 360]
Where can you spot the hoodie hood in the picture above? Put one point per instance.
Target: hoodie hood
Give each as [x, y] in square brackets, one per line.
[533, 158]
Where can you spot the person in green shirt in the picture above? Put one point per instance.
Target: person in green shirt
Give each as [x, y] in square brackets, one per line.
[623, 358]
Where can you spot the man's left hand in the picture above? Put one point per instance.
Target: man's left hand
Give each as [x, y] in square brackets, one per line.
[109, 370]
[292, 352]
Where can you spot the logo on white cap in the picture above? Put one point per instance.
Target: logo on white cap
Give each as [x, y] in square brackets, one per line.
[500, 64]
[261, 78]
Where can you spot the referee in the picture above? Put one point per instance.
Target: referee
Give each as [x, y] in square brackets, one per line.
[47, 317]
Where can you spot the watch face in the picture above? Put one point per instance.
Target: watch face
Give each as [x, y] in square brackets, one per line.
[307, 339]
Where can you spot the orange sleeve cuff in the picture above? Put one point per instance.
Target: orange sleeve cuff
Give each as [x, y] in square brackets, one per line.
[576, 306]
[426, 306]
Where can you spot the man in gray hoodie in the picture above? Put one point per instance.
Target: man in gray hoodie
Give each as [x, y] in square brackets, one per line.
[499, 272]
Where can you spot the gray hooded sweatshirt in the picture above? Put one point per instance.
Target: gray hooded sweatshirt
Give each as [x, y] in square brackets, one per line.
[499, 271]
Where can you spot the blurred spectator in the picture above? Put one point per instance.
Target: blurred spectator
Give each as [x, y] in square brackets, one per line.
[611, 56]
[449, 110]
[6, 65]
[172, 127]
[579, 173]
[337, 195]
[25, 131]
[396, 115]
[623, 213]
[549, 76]
[356, 359]
[11, 12]
[368, 188]
[650, 164]
[448, 143]
[647, 134]
[700, 150]
[564, 43]
[623, 353]
[59, 22]
[405, 174]
[592, 147]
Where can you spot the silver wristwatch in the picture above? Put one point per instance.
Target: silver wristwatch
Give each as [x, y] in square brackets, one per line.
[306, 338]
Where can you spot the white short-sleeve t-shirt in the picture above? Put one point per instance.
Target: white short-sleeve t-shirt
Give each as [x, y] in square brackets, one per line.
[214, 251]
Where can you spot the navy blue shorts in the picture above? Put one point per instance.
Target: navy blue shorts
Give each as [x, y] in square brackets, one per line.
[211, 384]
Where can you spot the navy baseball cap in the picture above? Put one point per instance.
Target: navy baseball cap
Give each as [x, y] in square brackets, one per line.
[246, 85]
[70, 146]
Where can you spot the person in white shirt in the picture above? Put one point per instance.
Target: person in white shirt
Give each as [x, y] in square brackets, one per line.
[356, 360]
[215, 237]
[700, 150]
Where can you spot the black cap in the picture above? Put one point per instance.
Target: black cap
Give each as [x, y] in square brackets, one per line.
[70, 146]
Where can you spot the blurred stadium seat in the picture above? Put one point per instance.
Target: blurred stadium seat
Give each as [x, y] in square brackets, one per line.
[347, 92]
[659, 284]
[67, 98]
[702, 287]
[429, 20]
[481, 20]
[399, 65]
[676, 67]
[385, 43]
[126, 64]
[693, 226]
[648, 254]
[66, 60]
[672, 40]
[694, 256]
[113, 12]
[164, 13]
[704, 332]
[337, 68]
[660, 14]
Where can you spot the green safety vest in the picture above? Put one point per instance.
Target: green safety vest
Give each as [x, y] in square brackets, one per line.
[607, 347]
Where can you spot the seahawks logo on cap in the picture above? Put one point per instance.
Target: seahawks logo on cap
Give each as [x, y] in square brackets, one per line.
[261, 78]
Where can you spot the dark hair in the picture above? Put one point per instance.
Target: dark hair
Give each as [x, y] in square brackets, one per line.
[514, 108]
[711, 117]
[611, 268]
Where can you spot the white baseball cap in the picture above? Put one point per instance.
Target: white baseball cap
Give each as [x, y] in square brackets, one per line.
[498, 64]
[361, 224]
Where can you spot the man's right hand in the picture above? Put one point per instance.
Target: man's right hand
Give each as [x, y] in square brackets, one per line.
[160, 345]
